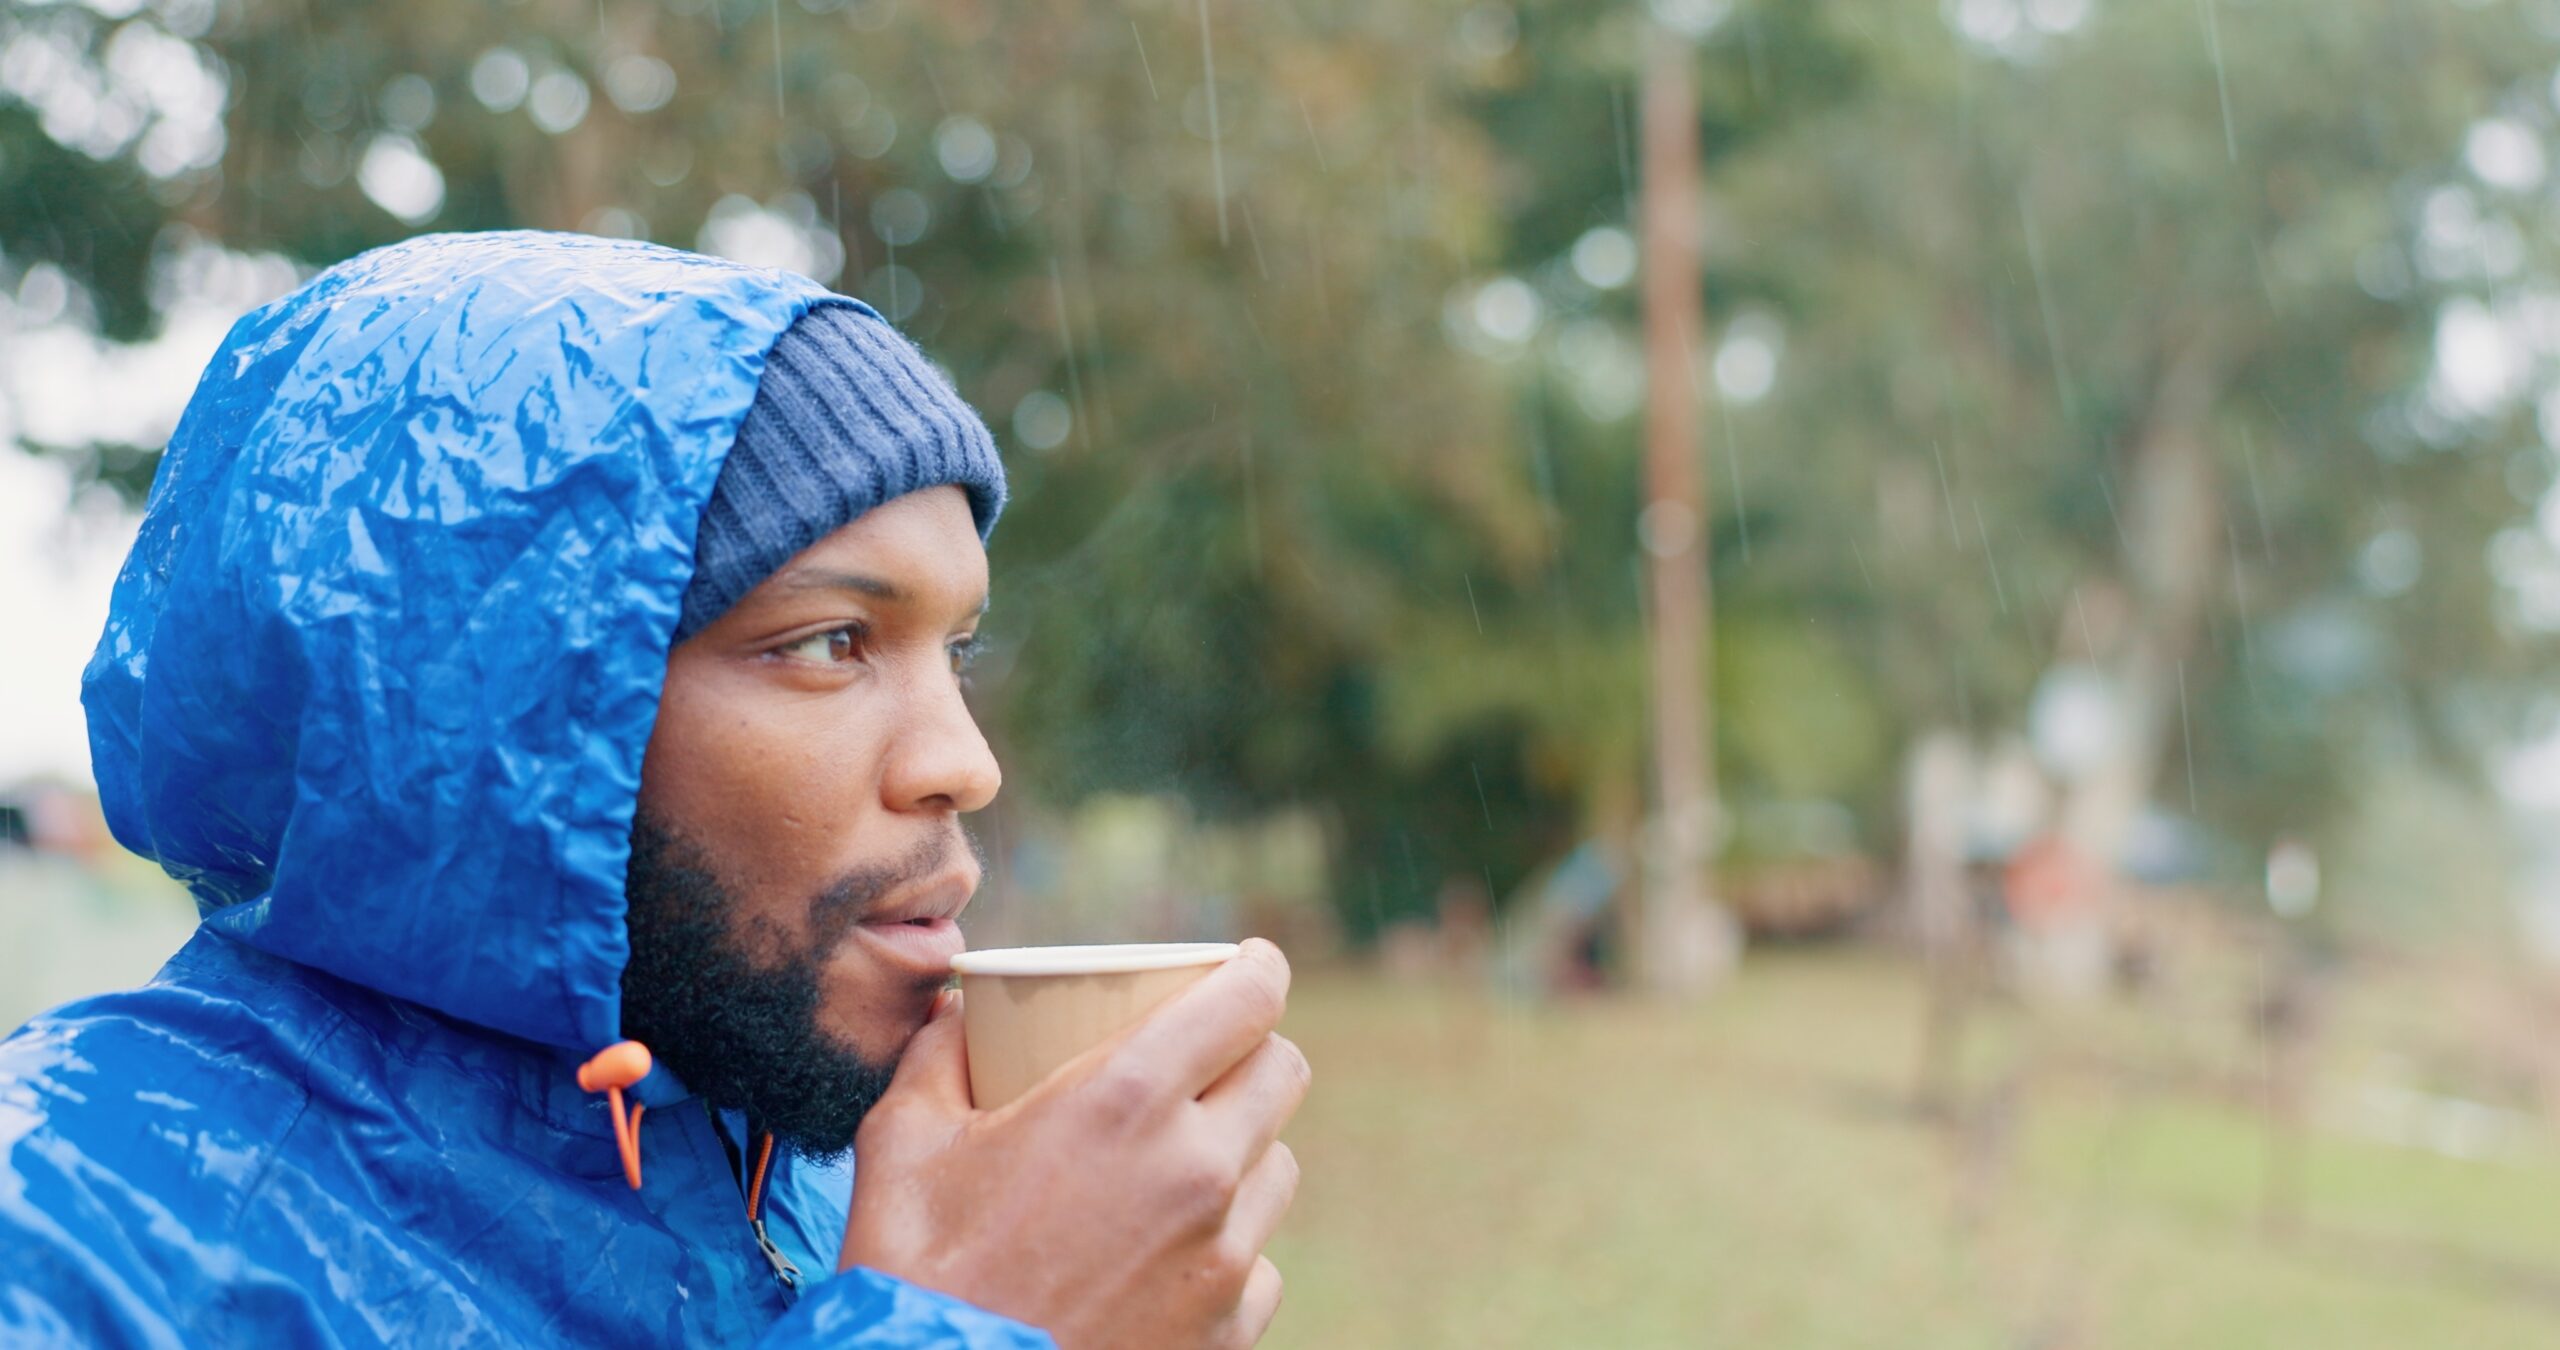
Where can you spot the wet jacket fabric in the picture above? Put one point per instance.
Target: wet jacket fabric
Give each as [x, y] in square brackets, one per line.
[375, 685]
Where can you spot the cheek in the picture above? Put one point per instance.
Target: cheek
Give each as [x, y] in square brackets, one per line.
[775, 783]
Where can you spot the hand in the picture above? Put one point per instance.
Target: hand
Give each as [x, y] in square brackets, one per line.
[1124, 1202]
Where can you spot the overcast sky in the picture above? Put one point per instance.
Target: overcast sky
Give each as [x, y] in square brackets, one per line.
[58, 556]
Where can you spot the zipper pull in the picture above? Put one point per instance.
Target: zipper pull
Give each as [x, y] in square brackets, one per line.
[783, 1270]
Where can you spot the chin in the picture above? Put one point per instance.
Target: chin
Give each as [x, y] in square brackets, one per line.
[874, 1022]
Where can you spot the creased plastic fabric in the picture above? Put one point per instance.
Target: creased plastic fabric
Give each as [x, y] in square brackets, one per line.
[376, 685]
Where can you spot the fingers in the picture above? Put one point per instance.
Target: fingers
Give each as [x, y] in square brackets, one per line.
[1201, 1032]
[934, 1070]
[1254, 1312]
[1263, 1200]
[1251, 1103]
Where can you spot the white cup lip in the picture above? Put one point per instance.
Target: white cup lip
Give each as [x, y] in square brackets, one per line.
[1110, 958]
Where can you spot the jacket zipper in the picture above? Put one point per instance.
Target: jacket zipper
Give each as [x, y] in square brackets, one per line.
[783, 1270]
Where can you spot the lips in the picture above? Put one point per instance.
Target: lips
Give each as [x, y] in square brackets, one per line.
[924, 947]
[919, 928]
[941, 898]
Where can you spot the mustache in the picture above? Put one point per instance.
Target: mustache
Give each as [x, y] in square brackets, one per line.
[835, 910]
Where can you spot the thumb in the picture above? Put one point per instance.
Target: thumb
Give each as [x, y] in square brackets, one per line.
[934, 1070]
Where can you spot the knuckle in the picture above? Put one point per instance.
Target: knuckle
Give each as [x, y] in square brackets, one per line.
[1231, 1265]
[1263, 1000]
[1206, 1189]
[1121, 1092]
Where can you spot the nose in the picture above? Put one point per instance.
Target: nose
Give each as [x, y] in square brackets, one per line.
[939, 760]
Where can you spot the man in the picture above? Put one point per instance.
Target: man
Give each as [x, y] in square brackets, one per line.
[537, 643]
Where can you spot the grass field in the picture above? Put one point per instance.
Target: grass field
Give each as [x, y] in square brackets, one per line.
[1748, 1172]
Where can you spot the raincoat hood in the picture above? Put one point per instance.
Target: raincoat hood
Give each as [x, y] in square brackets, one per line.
[376, 685]
[384, 660]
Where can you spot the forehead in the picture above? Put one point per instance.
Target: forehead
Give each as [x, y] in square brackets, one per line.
[922, 548]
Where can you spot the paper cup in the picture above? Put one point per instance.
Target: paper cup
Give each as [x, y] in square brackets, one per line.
[1027, 1010]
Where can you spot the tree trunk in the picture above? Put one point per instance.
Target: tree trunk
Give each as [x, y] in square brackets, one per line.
[1687, 940]
[2172, 536]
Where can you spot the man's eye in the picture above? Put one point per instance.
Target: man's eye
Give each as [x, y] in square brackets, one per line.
[832, 647]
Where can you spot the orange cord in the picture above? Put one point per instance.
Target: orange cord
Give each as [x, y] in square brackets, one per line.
[755, 1189]
[614, 1068]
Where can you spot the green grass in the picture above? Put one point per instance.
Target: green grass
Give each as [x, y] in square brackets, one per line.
[68, 931]
[1747, 1172]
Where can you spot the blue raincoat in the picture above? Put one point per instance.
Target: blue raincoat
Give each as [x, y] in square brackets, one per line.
[375, 686]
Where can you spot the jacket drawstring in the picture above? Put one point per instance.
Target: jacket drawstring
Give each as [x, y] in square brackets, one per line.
[783, 1269]
[755, 1188]
[614, 1068]
[624, 1063]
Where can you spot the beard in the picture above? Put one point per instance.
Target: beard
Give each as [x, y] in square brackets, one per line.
[739, 1022]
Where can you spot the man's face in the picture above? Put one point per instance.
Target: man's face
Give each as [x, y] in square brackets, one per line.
[798, 861]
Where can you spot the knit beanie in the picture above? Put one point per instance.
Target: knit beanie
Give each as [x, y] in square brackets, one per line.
[847, 415]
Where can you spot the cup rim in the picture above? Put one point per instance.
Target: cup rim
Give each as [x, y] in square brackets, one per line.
[1106, 958]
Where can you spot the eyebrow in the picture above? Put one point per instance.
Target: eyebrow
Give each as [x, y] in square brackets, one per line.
[820, 579]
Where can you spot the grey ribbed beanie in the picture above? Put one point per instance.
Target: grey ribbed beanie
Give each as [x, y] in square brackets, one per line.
[848, 415]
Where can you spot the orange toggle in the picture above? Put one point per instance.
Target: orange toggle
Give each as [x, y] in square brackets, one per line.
[614, 1068]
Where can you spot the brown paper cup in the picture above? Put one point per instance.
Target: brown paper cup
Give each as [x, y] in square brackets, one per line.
[1027, 1010]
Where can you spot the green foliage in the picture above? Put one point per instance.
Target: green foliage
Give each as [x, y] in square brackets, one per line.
[1298, 547]
[96, 220]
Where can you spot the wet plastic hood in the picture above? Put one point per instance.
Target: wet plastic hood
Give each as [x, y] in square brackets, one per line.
[381, 668]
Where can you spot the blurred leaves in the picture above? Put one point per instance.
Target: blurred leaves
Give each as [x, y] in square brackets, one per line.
[1311, 532]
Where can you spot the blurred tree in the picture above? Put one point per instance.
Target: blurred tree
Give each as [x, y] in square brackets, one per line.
[1184, 256]
[2125, 334]
[2089, 334]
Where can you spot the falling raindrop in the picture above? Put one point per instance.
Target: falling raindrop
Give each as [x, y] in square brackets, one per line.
[2389, 563]
[398, 177]
[1667, 529]
[1143, 67]
[407, 103]
[780, 114]
[2187, 732]
[2044, 307]
[1042, 420]
[1746, 361]
[2505, 154]
[557, 101]
[895, 291]
[639, 84]
[1999, 591]
[500, 78]
[2221, 77]
[965, 149]
[614, 222]
[1217, 145]
[2056, 17]
[1692, 19]
[900, 217]
[1506, 309]
[1605, 257]
[874, 136]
